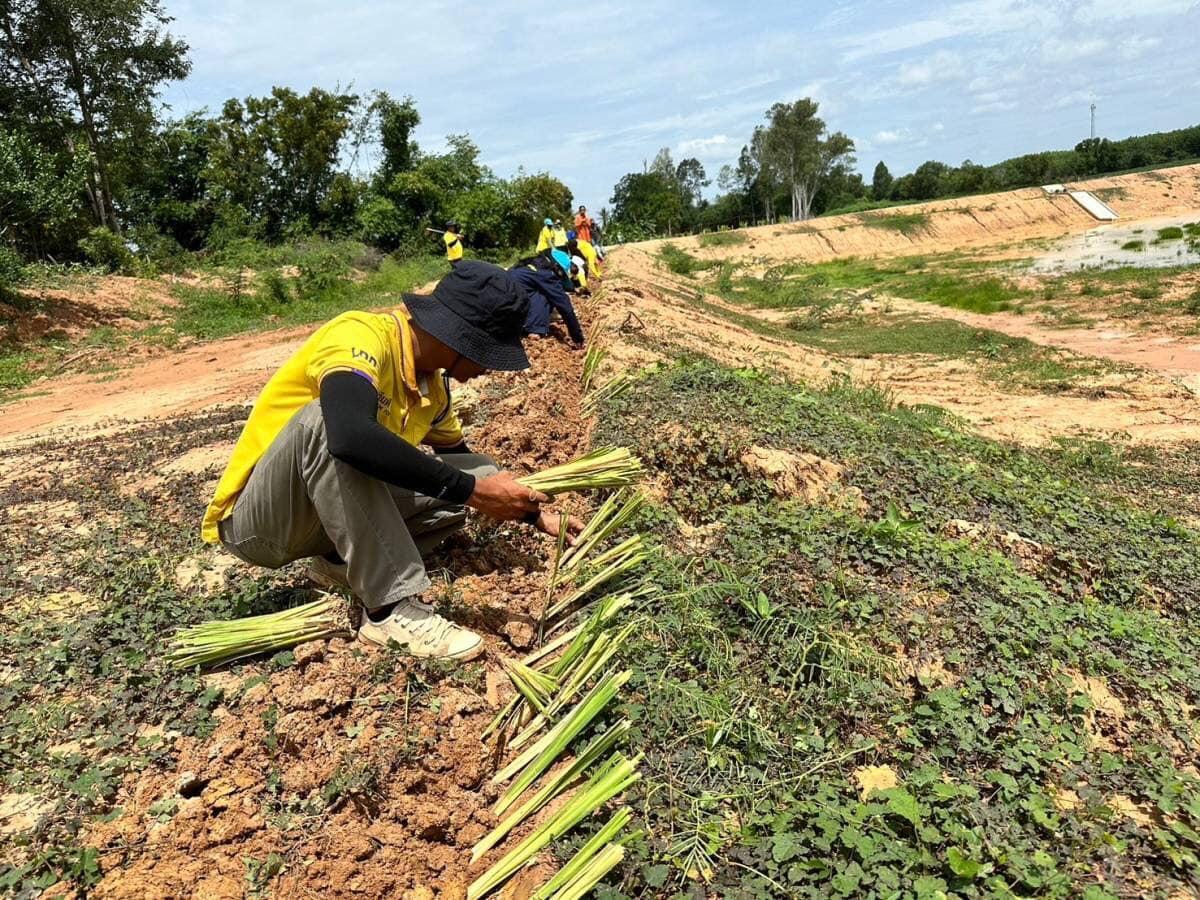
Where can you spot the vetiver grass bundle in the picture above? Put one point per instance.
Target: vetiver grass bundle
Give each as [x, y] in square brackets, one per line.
[620, 560]
[608, 467]
[578, 641]
[612, 779]
[214, 642]
[585, 869]
[542, 755]
[553, 787]
[610, 390]
[601, 651]
[613, 514]
[591, 364]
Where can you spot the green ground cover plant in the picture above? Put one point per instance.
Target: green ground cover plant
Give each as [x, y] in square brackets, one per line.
[945, 627]
[1135, 246]
[905, 223]
[722, 238]
[946, 281]
[1171, 233]
[681, 262]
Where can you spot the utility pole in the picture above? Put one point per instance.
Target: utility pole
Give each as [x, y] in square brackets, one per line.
[1093, 120]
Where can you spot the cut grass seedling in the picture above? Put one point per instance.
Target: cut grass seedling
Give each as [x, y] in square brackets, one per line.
[214, 642]
[608, 467]
[579, 869]
[617, 776]
[594, 751]
[542, 755]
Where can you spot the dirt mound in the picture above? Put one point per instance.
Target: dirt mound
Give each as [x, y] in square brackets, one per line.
[356, 771]
[987, 219]
[112, 301]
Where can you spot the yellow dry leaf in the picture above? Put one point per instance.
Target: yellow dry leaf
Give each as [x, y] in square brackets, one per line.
[875, 778]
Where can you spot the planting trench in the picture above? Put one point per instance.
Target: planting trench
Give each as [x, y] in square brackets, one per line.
[353, 772]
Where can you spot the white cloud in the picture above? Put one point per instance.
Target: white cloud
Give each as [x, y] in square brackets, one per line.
[707, 147]
[893, 136]
[1057, 51]
[1118, 10]
[1135, 46]
[945, 65]
[1075, 98]
[974, 17]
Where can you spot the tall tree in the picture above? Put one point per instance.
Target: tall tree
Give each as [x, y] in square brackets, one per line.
[692, 180]
[89, 67]
[881, 182]
[276, 157]
[797, 143]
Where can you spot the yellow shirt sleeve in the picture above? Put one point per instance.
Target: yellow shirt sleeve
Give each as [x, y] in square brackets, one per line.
[347, 345]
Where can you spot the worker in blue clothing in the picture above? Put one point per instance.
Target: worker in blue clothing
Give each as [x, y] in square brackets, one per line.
[545, 279]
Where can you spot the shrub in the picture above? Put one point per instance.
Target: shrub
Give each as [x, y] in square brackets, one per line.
[1135, 246]
[321, 269]
[1171, 233]
[12, 270]
[274, 288]
[722, 238]
[107, 249]
[681, 262]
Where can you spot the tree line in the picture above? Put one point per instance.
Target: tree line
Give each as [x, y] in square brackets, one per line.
[793, 167]
[93, 168]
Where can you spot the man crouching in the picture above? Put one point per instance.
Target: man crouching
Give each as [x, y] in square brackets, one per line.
[328, 466]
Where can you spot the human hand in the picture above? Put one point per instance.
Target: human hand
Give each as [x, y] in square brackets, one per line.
[548, 523]
[502, 497]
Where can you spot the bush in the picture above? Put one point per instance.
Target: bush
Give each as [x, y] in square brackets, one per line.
[322, 268]
[12, 270]
[722, 238]
[274, 288]
[107, 250]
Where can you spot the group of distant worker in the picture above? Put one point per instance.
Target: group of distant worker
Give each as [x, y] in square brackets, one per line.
[562, 264]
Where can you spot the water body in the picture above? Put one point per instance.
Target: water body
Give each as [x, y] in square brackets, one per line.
[1101, 247]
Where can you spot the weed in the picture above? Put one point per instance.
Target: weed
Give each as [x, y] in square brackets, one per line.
[681, 262]
[722, 238]
[905, 223]
[1135, 246]
[1170, 233]
[798, 648]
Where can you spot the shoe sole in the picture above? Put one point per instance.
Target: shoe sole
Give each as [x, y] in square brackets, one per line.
[463, 656]
[320, 579]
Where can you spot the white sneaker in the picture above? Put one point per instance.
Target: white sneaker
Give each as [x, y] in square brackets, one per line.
[330, 576]
[415, 626]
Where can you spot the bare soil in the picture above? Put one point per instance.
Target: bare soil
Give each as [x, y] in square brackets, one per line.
[987, 220]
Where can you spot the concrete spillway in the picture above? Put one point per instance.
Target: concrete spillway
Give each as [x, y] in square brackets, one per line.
[1094, 205]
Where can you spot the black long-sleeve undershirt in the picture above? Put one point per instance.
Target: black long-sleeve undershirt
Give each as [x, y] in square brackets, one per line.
[348, 405]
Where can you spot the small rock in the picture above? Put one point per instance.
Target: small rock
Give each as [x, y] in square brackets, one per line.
[311, 652]
[421, 892]
[189, 784]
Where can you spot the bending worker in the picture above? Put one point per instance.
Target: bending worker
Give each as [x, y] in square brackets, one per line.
[546, 236]
[327, 465]
[546, 279]
[453, 241]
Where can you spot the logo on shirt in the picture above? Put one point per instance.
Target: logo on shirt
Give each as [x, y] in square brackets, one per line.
[355, 353]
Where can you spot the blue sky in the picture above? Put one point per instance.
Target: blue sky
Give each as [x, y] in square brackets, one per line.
[589, 91]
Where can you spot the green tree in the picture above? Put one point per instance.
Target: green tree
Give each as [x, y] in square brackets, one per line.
[802, 152]
[645, 203]
[91, 68]
[276, 157]
[881, 182]
[39, 192]
[397, 121]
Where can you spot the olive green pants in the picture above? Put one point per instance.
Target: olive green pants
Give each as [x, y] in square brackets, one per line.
[300, 502]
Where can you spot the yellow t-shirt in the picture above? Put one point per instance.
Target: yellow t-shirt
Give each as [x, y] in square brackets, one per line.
[453, 246]
[560, 237]
[588, 252]
[545, 239]
[379, 347]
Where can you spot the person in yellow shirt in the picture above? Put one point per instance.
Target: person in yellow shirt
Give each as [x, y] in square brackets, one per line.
[560, 234]
[452, 238]
[546, 236]
[577, 246]
[328, 467]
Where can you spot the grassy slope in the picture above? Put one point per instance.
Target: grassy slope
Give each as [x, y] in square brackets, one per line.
[773, 668]
[234, 304]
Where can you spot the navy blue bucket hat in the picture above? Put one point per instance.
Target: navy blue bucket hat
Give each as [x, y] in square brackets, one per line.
[478, 311]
